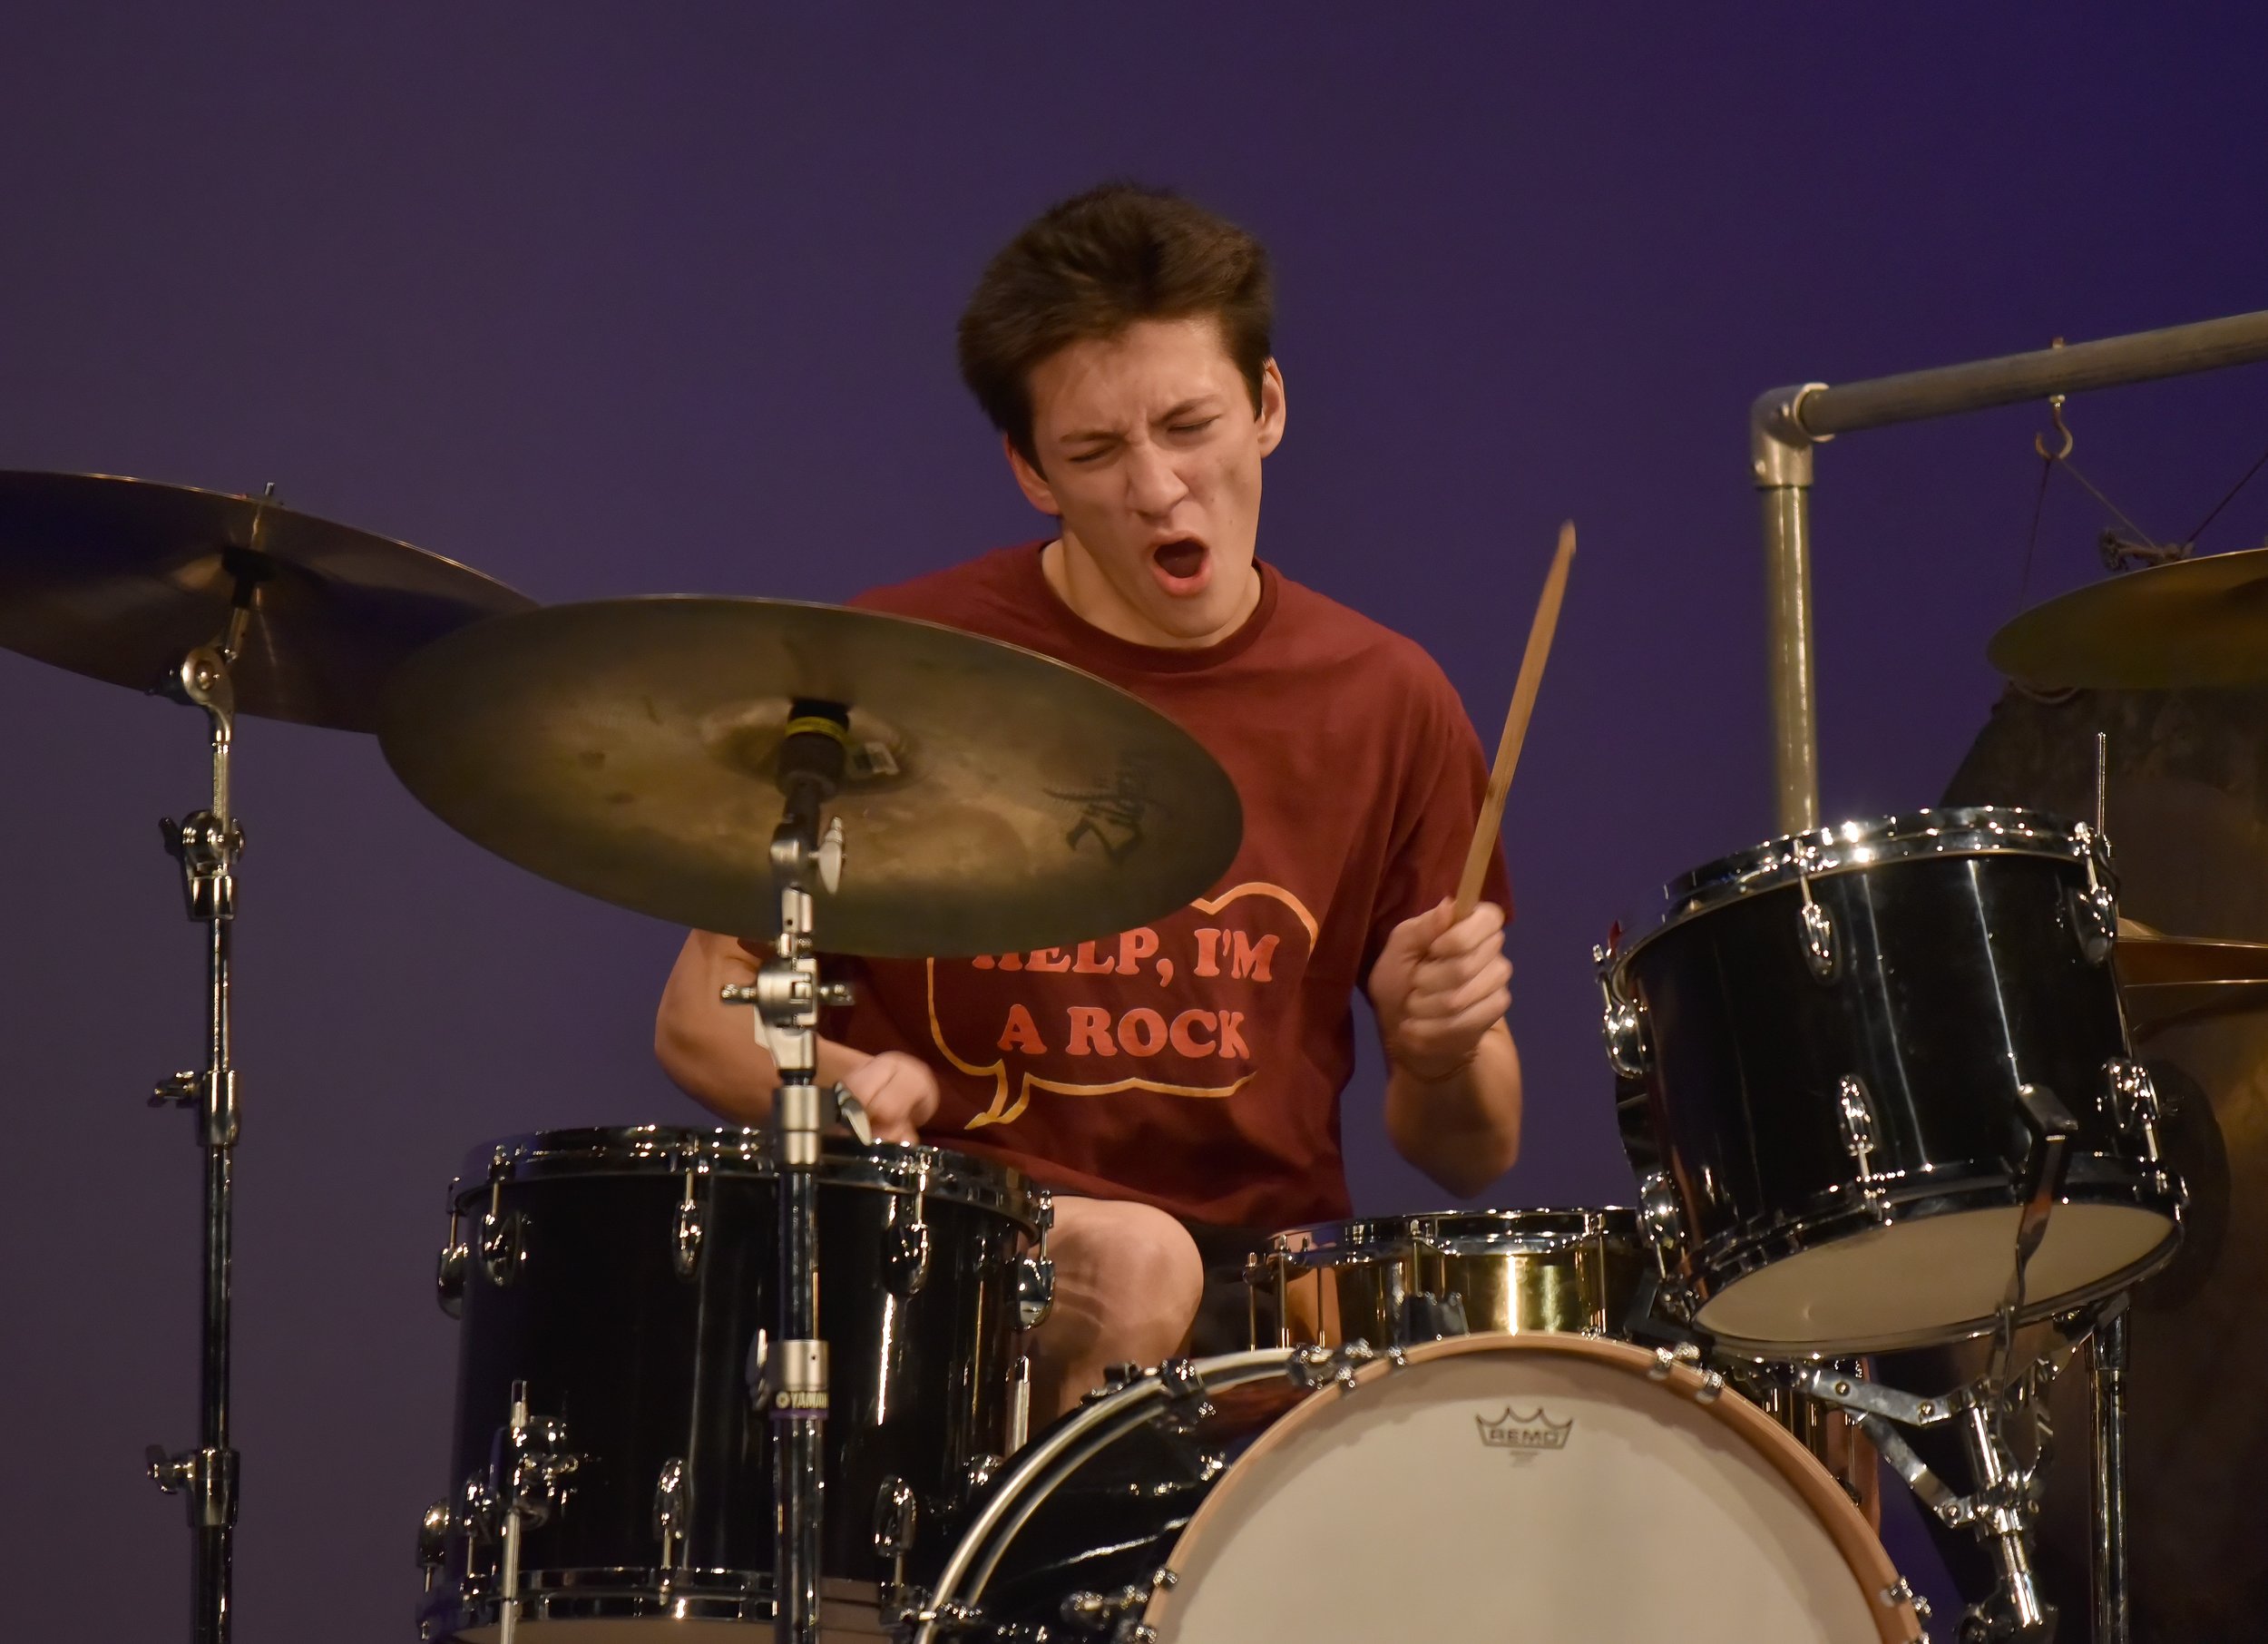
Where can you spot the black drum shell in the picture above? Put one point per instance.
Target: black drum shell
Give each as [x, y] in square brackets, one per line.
[1956, 979]
[645, 1364]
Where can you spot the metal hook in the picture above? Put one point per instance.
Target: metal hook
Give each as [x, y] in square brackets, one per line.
[2055, 414]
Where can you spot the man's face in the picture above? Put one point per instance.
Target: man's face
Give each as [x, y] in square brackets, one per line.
[1150, 453]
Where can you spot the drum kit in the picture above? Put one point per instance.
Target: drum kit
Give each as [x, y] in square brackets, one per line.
[1876, 1082]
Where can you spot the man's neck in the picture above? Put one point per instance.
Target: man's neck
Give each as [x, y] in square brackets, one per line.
[1079, 583]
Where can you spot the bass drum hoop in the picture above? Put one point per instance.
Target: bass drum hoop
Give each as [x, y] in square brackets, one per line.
[653, 1149]
[1862, 1553]
[1051, 1461]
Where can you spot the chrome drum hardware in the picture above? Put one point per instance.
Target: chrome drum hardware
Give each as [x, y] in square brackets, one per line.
[1833, 1034]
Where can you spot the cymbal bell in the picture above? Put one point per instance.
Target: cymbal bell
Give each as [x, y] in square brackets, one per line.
[995, 801]
[118, 579]
[2192, 622]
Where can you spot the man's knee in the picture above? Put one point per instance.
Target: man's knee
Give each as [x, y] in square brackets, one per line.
[1139, 1265]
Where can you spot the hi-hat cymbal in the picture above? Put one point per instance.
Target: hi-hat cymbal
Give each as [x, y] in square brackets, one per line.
[2192, 622]
[119, 578]
[2149, 958]
[996, 800]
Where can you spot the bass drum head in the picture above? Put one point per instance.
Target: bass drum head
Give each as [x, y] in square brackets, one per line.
[1529, 1487]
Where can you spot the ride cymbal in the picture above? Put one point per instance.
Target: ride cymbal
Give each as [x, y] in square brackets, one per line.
[995, 799]
[119, 579]
[2192, 622]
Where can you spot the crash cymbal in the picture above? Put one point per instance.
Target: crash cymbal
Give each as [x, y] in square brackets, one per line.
[996, 800]
[2150, 958]
[119, 578]
[2194, 622]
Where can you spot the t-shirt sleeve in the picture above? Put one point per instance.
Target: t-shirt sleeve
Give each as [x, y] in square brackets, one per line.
[1443, 774]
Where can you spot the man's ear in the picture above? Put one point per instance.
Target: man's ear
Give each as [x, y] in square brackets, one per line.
[1271, 418]
[1030, 482]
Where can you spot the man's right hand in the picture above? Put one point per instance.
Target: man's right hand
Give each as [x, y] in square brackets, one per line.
[898, 1092]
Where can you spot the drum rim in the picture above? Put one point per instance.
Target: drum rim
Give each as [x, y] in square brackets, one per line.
[661, 1150]
[1327, 1244]
[1860, 843]
[1865, 1556]
[1841, 1213]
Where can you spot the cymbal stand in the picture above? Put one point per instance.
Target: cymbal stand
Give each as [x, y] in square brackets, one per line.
[787, 995]
[2107, 1373]
[207, 845]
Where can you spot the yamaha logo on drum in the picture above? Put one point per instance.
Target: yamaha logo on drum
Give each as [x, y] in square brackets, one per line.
[1524, 1436]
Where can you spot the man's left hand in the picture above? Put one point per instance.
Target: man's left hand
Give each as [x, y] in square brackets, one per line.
[1438, 987]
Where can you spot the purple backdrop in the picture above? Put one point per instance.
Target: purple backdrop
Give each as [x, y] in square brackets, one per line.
[615, 299]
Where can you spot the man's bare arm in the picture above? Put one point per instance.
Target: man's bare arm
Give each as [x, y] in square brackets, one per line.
[1462, 1130]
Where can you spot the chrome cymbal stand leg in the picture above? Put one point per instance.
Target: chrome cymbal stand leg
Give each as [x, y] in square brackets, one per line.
[787, 995]
[2106, 1362]
[207, 845]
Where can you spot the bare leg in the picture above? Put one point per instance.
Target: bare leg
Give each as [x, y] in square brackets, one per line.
[1127, 1284]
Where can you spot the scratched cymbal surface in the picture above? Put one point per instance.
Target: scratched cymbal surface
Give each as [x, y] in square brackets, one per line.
[118, 579]
[996, 800]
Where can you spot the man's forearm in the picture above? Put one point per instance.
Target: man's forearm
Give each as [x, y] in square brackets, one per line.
[1464, 1130]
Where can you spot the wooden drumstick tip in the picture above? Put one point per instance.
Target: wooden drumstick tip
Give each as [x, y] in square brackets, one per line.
[1491, 820]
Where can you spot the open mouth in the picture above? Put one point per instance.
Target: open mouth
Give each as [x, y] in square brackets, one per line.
[1184, 565]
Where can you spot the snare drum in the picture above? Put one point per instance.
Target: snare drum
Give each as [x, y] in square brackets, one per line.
[1393, 1281]
[1540, 1486]
[1831, 1031]
[621, 1283]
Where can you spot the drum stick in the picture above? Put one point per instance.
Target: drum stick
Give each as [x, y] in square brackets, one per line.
[1539, 632]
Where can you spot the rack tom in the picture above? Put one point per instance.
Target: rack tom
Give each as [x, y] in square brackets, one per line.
[1830, 1033]
[615, 1288]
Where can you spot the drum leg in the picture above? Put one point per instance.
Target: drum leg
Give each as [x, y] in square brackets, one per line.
[2106, 1360]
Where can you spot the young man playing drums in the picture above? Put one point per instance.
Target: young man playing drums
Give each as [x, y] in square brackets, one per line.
[1179, 1085]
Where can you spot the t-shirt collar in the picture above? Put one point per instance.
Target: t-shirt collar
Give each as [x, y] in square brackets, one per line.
[1090, 643]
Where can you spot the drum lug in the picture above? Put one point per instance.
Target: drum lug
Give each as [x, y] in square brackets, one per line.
[1854, 1116]
[1036, 1273]
[1622, 1024]
[895, 1516]
[448, 1274]
[1816, 926]
[1662, 1223]
[503, 1243]
[687, 1227]
[2095, 910]
[905, 1246]
[432, 1538]
[2135, 1106]
[671, 1509]
[504, 1247]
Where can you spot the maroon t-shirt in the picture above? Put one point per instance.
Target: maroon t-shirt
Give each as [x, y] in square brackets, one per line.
[1196, 1063]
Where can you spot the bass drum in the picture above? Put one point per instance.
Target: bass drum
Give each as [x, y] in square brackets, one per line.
[1538, 1486]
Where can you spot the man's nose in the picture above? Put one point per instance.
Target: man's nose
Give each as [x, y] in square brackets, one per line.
[1152, 484]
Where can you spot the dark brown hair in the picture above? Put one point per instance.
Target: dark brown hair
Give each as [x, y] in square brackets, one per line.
[1093, 265]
